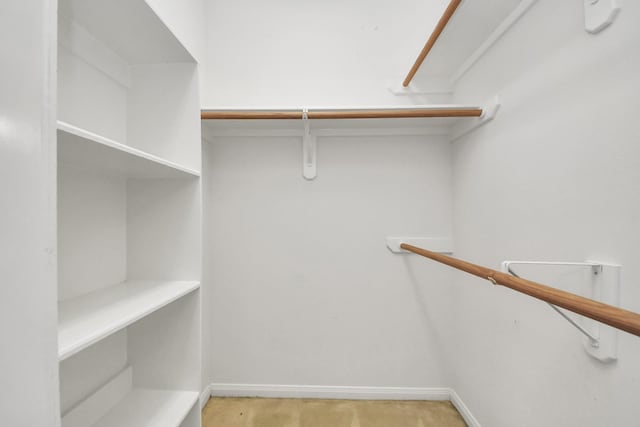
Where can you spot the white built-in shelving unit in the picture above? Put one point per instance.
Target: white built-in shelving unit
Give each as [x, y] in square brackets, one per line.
[128, 218]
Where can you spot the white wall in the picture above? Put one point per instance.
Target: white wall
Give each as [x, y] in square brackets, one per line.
[28, 359]
[163, 112]
[163, 214]
[555, 177]
[89, 98]
[185, 18]
[85, 372]
[291, 52]
[303, 289]
[92, 231]
[305, 315]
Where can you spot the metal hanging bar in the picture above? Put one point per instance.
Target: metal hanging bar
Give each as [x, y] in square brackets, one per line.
[595, 342]
[619, 318]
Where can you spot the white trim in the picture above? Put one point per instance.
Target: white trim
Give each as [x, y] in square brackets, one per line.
[500, 30]
[463, 409]
[329, 392]
[205, 395]
[326, 132]
[345, 108]
[394, 131]
[230, 132]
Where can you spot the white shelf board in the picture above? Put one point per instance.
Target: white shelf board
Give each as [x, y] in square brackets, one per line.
[473, 28]
[86, 149]
[89, 318]
[150, 408]
[129, 27]
[119, 404]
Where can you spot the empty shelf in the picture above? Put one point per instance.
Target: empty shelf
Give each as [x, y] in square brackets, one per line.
[150, 408]
[89, 318]
[86, 149]
[118, 404]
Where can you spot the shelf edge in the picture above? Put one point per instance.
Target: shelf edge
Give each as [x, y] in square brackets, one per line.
[104, 333]
[124, 148]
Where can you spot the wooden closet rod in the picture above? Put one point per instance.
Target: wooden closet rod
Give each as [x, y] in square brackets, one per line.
[442, 23]
[613, 316]
[388, 113]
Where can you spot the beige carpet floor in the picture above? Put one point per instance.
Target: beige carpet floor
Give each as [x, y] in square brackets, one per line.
[256, 412]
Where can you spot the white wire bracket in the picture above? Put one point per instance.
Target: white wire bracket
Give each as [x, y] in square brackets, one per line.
[603, 284]
[309, 150]
[489, 112]
[599, 14]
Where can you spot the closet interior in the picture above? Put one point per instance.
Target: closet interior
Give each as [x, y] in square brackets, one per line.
[221, 221]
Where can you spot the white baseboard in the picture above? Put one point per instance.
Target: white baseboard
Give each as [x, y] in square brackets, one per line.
[329, 392]
[205, 395]
[339, 392]
[456, 400]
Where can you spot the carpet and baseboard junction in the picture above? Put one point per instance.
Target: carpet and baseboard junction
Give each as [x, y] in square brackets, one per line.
[248, 405]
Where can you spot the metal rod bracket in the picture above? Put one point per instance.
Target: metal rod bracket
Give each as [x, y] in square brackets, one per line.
[489, 111]
[603, 284]
[443, 245]
[309, 150]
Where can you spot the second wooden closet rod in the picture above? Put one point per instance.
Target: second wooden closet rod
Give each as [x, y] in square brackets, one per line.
[383, 113]
[613, 316]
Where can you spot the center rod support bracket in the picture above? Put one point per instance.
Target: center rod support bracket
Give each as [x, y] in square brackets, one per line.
[309, 151]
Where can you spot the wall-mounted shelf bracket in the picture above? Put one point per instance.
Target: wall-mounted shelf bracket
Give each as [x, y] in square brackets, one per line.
[599, 14]
[603, 285]
[309, 169]
[430, 87]
[489, 112]
[442, 245]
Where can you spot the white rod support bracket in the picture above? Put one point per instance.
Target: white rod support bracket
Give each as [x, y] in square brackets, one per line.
[309, 169]
[430, 87]
[599, 14]
[507, 264]
[443, 245]
[603, 285]
[489, 112]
